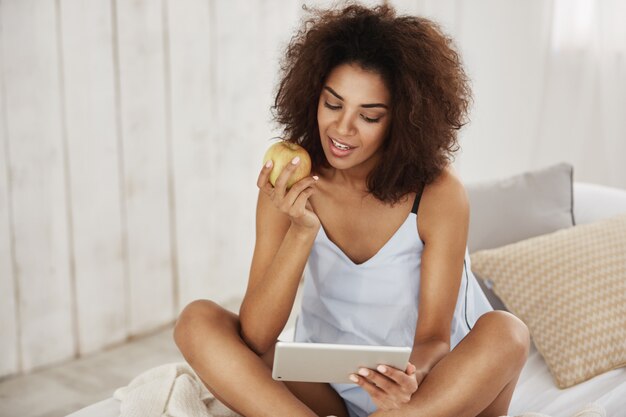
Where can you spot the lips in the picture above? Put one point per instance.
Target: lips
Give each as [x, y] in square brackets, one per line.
[340, 142]
[336, 152]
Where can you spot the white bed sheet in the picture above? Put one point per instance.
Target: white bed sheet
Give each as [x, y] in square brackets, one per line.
[535, 392]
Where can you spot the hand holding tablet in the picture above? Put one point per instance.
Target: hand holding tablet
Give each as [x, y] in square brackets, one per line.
[323, 362]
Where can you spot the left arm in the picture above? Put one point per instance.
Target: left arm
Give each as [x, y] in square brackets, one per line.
[443, 223]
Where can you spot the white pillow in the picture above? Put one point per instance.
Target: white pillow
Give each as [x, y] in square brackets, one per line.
[520, 207]
[594, 202]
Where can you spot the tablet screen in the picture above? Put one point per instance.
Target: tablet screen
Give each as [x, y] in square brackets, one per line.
[324, 362]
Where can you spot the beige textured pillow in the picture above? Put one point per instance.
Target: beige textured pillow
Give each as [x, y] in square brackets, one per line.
[569, 287]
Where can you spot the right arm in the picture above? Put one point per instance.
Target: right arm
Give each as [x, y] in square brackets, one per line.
[285, 231]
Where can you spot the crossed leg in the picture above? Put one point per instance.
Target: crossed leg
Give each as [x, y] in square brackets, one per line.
[477, 378]
[209, 338]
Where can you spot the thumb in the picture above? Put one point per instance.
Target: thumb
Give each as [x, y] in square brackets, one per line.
[410, 369]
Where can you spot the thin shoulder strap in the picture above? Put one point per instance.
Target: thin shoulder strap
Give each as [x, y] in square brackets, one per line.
[418, 197]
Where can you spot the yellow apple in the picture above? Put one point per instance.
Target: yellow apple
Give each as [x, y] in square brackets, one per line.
[281, 153]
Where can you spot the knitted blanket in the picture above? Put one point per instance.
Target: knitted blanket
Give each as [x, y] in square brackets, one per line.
[170, 390]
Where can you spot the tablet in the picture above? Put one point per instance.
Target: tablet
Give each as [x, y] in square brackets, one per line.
[324, 362]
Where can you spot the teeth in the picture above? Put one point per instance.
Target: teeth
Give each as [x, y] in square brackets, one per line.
[339, 145]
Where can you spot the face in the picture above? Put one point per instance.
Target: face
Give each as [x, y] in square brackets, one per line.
[354, 110]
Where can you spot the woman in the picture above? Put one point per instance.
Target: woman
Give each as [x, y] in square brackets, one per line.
[376, 100]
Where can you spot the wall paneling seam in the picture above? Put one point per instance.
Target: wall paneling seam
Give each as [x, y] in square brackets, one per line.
[171, 192]
[9, 177]
[121, 167]
[67, 175]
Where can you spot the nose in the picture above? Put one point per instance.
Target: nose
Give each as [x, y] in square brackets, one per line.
[345, 125]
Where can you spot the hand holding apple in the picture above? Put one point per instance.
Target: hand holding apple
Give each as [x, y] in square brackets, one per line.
[288, 185]
[282, 153]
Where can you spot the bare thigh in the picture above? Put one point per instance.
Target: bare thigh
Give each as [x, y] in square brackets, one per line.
[319, 397]
[203, 322]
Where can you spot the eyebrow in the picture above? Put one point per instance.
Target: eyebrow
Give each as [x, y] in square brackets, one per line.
[367, 106]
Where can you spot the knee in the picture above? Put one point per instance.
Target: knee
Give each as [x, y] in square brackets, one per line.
[508, 332]
[195, 314]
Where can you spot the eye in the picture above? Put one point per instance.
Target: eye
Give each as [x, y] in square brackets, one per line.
[364, 117]
[370, 120]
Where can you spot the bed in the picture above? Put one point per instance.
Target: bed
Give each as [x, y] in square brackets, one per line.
[536, 390]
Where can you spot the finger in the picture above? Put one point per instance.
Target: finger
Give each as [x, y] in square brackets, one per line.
[381, 381]
[263, 181]
[410, 369]
[308, 205]
[298, 207]
[296, 190]
[391, 373]
[374, 391]
[406, 382]
[285, 174]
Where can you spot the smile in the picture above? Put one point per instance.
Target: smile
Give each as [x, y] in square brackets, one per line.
[338, 149]
[340, 145]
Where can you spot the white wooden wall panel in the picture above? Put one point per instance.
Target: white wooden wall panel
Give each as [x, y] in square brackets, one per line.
[279, 22]
[145, 164]
[131, 138]
[87, 41]
[324, 4]
[248, 36]
[237, 109]
[38, 189]
[512, 33]
[194, 153]
[445, 13]
[9, 348]
[410, 7]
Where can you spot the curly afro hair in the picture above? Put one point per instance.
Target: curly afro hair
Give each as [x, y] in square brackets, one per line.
[429, 89]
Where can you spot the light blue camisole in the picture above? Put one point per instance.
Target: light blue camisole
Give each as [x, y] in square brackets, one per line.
[375, 302]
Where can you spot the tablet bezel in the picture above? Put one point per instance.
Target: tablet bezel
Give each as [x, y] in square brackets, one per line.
[332, 363]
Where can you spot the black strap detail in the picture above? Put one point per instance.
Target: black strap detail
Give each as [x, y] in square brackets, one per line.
[416, 204]
[466, 290]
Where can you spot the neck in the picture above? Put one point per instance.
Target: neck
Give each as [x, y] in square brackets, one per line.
[354, 178]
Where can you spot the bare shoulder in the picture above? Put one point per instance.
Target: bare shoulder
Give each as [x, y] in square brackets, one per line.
[444, 204]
